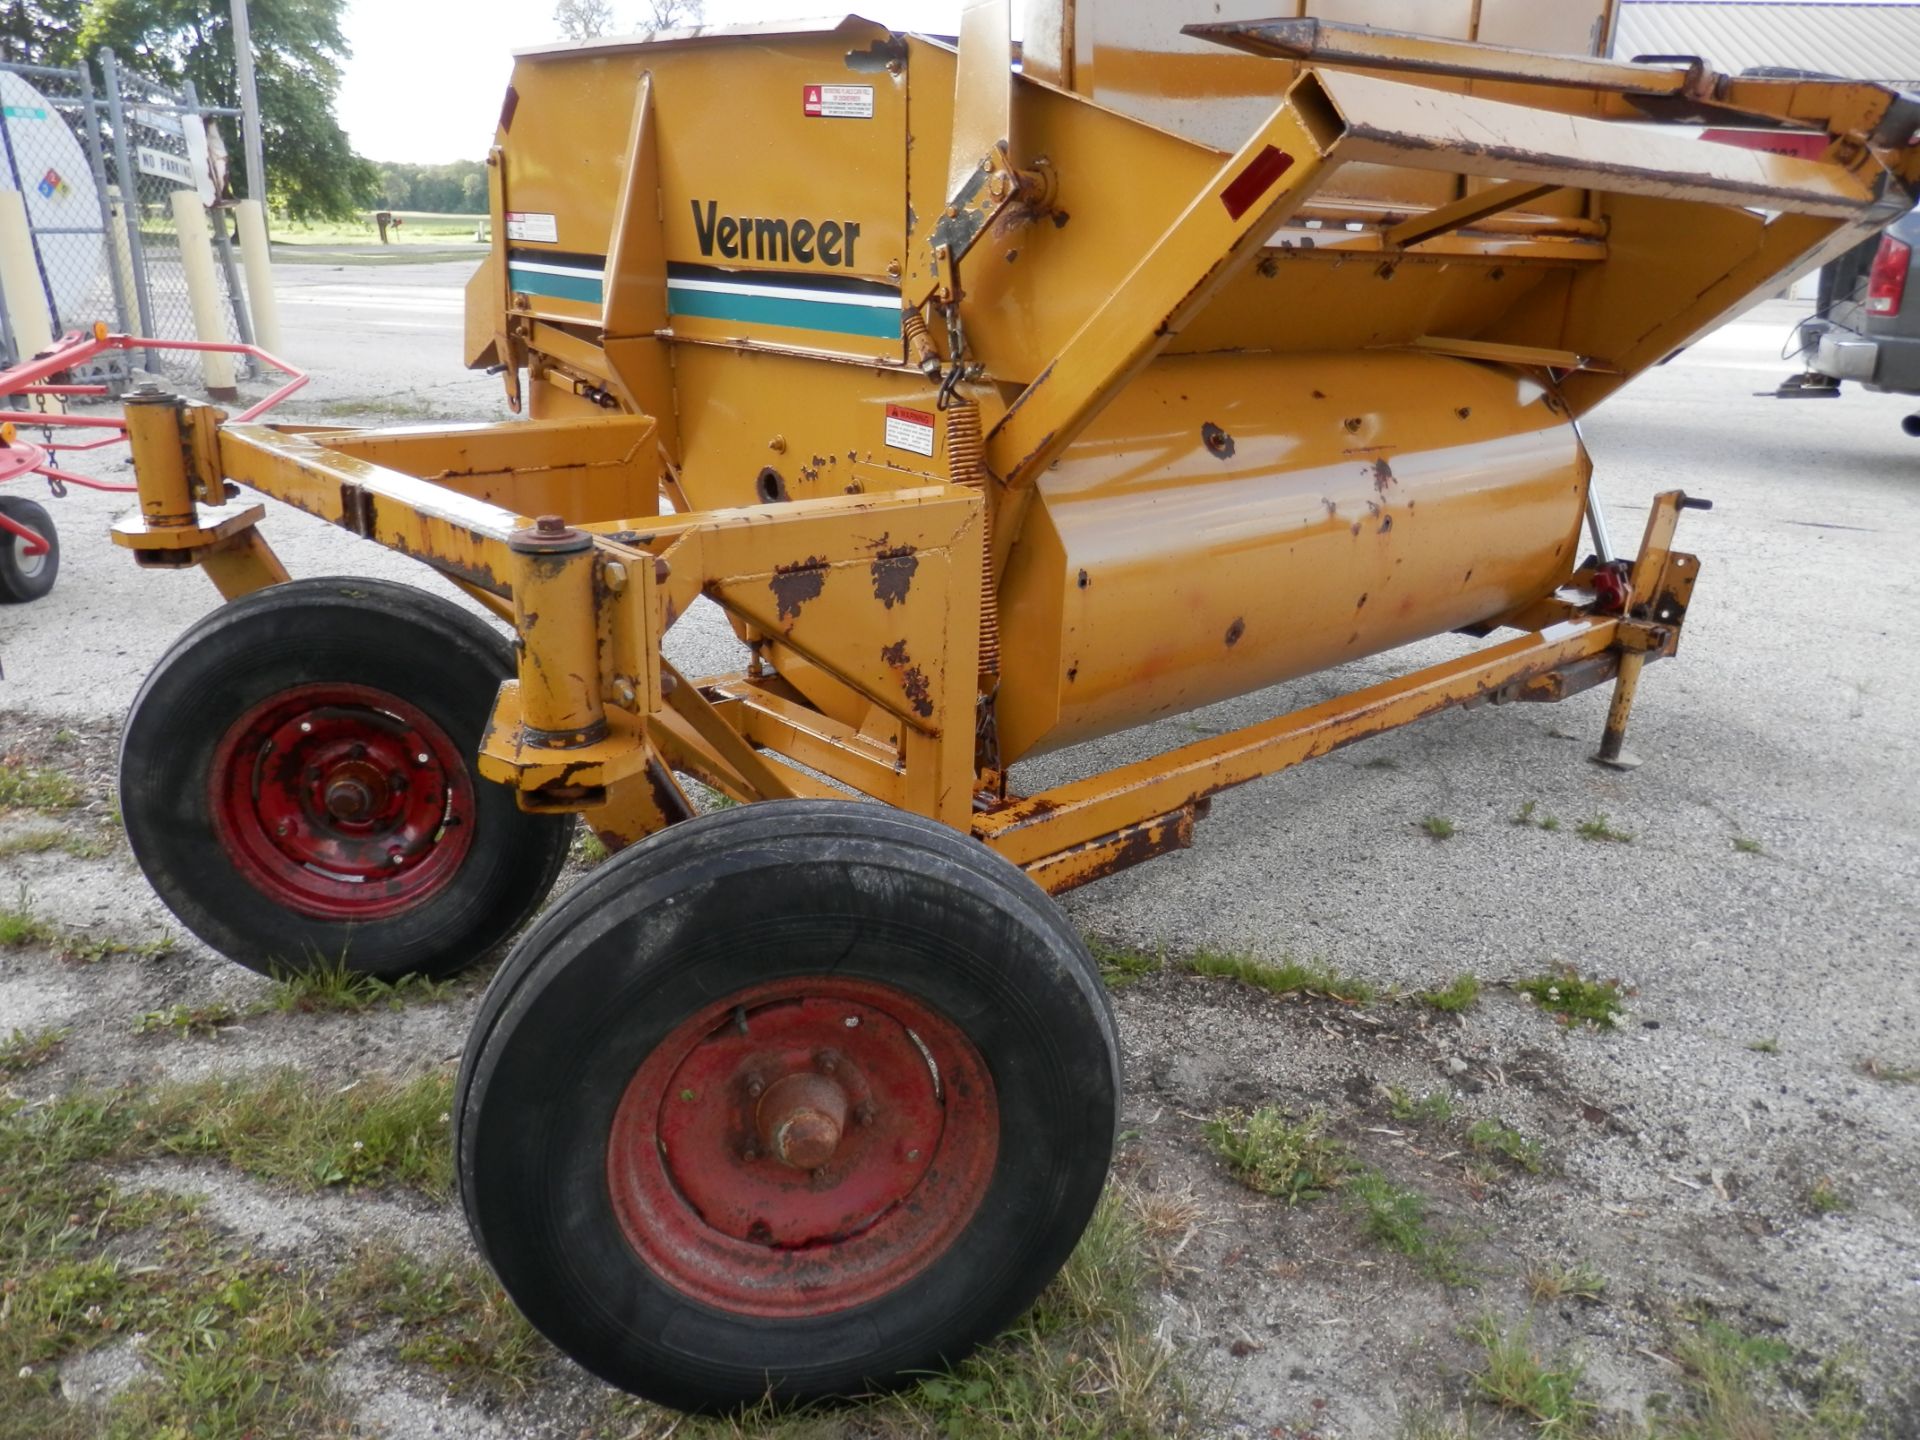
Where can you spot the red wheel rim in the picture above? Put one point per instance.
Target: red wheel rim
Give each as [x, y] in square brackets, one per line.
[342, 802]
[802, 1147]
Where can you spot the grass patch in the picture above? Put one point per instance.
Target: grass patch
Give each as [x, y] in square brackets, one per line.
[89, 950]
[1528, 817]
[187, 1019]
[1287, 978]
[1826, 1198]
[43, 840]
[588, 848]
[285, 1126]
[1078, 1366]
[1431, 1109]
[1547, 1283]
[1490, 1137]
[20, 926]
[1575, 1000]
[1746, 846]
[1598, 829]
[25, 787]
[1460, 994]
[330, 985]
[225, 1340]
[1396, 1217]
[1741, 1387]
[1437, 827]
[1889, 1074]
[453, 1319]
[25, 1049]
[1287, 1159]
[1121, 967]
[1515, 1377]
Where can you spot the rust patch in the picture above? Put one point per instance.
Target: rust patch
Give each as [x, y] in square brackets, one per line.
[893, 571]
[1084, 580]
[1073, 673]
[913, 682]
[1218, 442]
[1319, 394]
[1386, 524]
[1353, 424]
[793, 585]
[1383, 478]
[1361, 603]
[1235, 631]
[1464, 411]
[1268, 267]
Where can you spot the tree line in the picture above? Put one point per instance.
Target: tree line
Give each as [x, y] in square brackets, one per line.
[459, 188]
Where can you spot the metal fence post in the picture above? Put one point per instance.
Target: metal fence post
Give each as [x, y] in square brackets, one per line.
[122, 302]
[129, 191]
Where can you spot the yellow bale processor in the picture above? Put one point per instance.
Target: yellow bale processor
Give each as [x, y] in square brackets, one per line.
[997, 408]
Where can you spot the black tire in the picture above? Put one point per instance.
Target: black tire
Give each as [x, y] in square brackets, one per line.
[783, 895]
[26, 577]
[377, 664]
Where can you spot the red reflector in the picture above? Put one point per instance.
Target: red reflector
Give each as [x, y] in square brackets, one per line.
[1887, 283]
[1254, 181]
[507, 108]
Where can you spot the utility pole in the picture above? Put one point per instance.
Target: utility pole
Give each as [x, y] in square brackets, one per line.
[249, 105]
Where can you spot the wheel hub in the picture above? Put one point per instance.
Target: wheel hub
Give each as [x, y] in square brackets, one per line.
[802, 1147]
[342, 802]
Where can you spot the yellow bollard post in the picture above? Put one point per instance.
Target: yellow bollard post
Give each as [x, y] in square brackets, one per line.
[257, 255]
[123, 255]
[20, 279]
[203, 289]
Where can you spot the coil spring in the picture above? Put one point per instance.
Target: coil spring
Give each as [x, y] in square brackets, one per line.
[966, 464]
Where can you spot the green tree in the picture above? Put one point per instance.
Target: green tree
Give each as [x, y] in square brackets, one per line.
[312, 170]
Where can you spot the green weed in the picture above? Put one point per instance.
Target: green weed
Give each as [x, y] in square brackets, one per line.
[23, 787]
[187, 1019]
[1516, 1378]
[1547, 1283]
[1574, 999]
[1826, 1198]
[1598, 829]
[1287, 978]
[453, 1319]
[1287, 1159]
[1768, 1046]
[1490, 1137]
[588, 848]
[1747, 847]
[23, 1050]
[1462, 993]
[1438, 827]
[1741, 1387]
[1889, 1074]
[330, 985]
[1396, 1217]
[1435, 1108]
[1121, 967]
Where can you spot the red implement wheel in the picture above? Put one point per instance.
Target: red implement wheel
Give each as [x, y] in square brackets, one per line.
[28, 564]
[298, 785]
[798, 1099]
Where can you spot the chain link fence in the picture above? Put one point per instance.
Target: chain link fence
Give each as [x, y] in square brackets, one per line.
[98, 171]
[53, 128]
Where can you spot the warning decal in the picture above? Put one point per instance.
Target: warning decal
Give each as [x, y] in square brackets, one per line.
[909, 430]
[526, 225]
[837, 102]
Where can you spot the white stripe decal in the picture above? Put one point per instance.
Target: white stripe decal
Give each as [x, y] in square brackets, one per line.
[571, 272]
[787, 292]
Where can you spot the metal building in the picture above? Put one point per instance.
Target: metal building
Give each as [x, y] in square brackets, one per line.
[1875, 40]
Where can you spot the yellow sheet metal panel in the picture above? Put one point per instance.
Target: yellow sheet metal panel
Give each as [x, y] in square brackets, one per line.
[756, 425]
[1232, 522]
[781, 200]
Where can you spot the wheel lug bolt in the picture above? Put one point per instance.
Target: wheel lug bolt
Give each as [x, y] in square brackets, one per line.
[755, 1086]
[866, 1113]
[396, 857]
[749, 1153]
[826, 1062]
[282, 828]
[306, 727]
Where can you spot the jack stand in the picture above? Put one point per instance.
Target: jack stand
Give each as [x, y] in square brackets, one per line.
[1613, 752]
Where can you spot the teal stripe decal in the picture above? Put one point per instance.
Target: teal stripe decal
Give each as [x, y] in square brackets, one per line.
[558, 287]
[827, 315]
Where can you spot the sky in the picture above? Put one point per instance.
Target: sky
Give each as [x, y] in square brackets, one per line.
[426, 77]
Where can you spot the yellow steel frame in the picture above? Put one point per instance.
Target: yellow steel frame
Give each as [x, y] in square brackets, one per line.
[599, 722]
